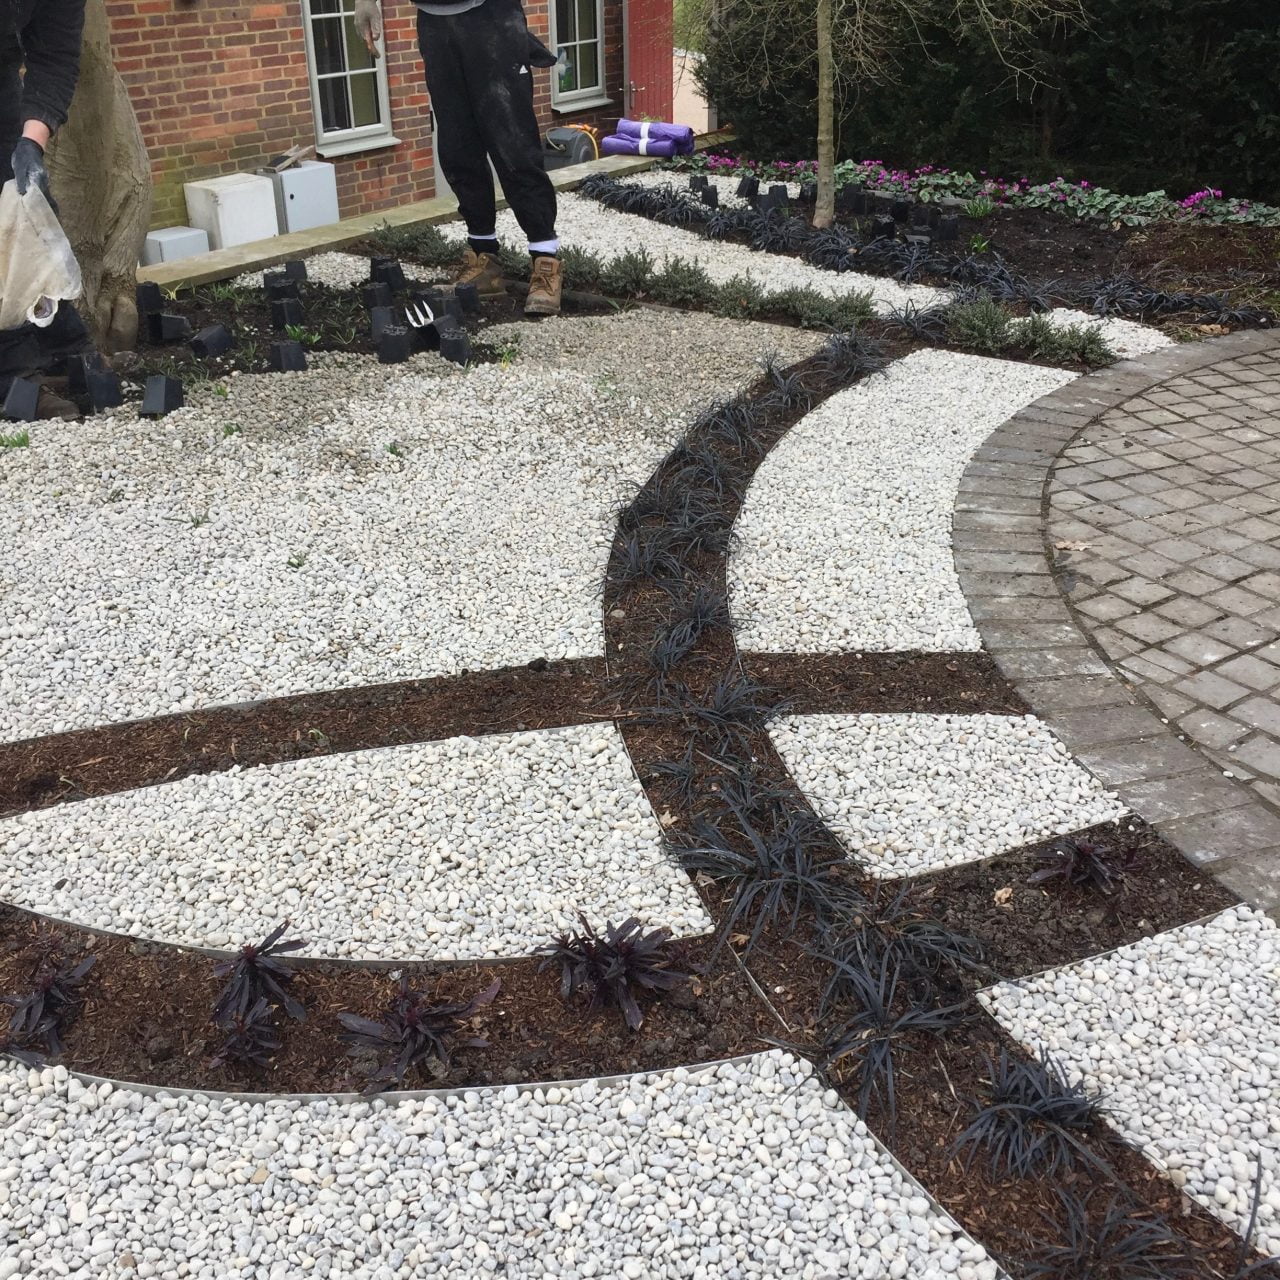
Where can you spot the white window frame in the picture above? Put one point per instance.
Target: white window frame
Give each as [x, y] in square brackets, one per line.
[578, 98]
[367, 137]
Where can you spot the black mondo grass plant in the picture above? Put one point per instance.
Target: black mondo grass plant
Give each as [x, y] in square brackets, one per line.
[257, 973]
[414, 1032]
[1120, 1241]
[1083, 864]
[881, 1024]
[41, 1014]
[615, 968]
[928, 956]
[1032, 1121]
[250, 1039]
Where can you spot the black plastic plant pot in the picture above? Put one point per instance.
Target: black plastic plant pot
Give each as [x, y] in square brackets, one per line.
[778, 192]
[150, 299]
[883, 226]
[22, 400]
[388, 271]
[451, 306]
[710, 197]
[212, 341]
[295, 270]
[427, 338]
[79, 367]
[455, 345]
[749, 188]
[376, 295]
[278, 285]
[431, 298]
[918, 215]
[381, 319]
[104, 390]
[902, 210]
[808, 193]
[468, 297]
[395, 344]
[166, 328]
[698, 182]
[949, 226]
[287, 357]
[161, 397]
[285, 313]
[882, 205]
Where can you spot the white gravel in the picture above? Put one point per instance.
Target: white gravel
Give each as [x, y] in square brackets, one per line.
[363, 525]
[586, 224]
[459, 849]
[1181, 1034]
[912, 793]
[338, 271]
[736, 1171]
[845, 535]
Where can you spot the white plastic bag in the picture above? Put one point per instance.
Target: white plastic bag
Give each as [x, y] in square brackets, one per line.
[37, 266]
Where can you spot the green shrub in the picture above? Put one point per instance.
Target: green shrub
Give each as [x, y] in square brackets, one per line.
[739, 298]
[681, 283]
[581, 268]
[628, 274]
[982, 325]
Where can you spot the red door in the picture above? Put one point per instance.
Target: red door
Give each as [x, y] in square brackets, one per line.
[650, 37]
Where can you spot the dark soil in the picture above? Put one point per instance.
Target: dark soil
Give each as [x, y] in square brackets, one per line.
[90, 762]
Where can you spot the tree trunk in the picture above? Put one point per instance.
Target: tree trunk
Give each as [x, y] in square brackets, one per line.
[825, 212]
[102, 178]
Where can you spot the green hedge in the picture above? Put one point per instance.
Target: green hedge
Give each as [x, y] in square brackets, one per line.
[1173, 94]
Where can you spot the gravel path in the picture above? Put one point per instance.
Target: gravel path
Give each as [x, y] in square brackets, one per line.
[344, 526]
[845, 535]
[736, 1171]
[460, 849]
[1181, 1033]
[338, 271]
[913, 793]
[587, 225]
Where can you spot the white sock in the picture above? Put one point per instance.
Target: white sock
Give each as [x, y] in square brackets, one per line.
[544, 248]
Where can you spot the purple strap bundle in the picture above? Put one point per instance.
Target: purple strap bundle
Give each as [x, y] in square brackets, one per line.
[649, 138]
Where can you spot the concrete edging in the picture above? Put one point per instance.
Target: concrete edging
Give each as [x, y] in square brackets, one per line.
[1009, 577]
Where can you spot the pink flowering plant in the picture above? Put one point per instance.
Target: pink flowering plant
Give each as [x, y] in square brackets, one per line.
[931, 183]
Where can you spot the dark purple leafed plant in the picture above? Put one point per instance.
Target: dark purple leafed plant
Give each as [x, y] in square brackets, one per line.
[1084, 864]
[616, 966]
[251, 1038]
[39, 1015]
[258, 973]
[414, 1031]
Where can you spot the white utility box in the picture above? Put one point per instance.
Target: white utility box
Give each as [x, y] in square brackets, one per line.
[236, 209]
[171, 243]
[306, 195]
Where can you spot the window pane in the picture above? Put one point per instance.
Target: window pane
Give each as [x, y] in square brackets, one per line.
[326, 6]
[587, 15]
[569, 75]
[328, 40]
[565, 29]
[364, 99]
[335, 113]
[589, 65]
[358, 56]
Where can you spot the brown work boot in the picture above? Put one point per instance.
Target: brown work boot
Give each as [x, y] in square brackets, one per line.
[544, 288]
[484, 271]
[52, 405]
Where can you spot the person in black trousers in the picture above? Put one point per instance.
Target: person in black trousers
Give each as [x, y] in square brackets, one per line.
[44, 37]
[478, 56]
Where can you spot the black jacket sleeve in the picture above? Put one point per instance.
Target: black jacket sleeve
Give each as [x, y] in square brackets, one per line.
[51, 49]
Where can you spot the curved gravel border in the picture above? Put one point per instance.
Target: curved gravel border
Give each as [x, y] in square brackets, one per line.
[908, 794]
[845, 534]
[342, 527]
[468, 848]
[1181, 1034]
[585, 224]
[744, 1170]
[339, 271]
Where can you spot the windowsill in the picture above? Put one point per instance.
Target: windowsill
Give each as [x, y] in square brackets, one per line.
[353, 145]
[586, 104]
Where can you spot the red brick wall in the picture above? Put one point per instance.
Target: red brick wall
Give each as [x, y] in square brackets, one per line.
[220, 87]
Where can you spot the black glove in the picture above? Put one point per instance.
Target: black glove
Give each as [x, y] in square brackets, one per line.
[28, 168]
